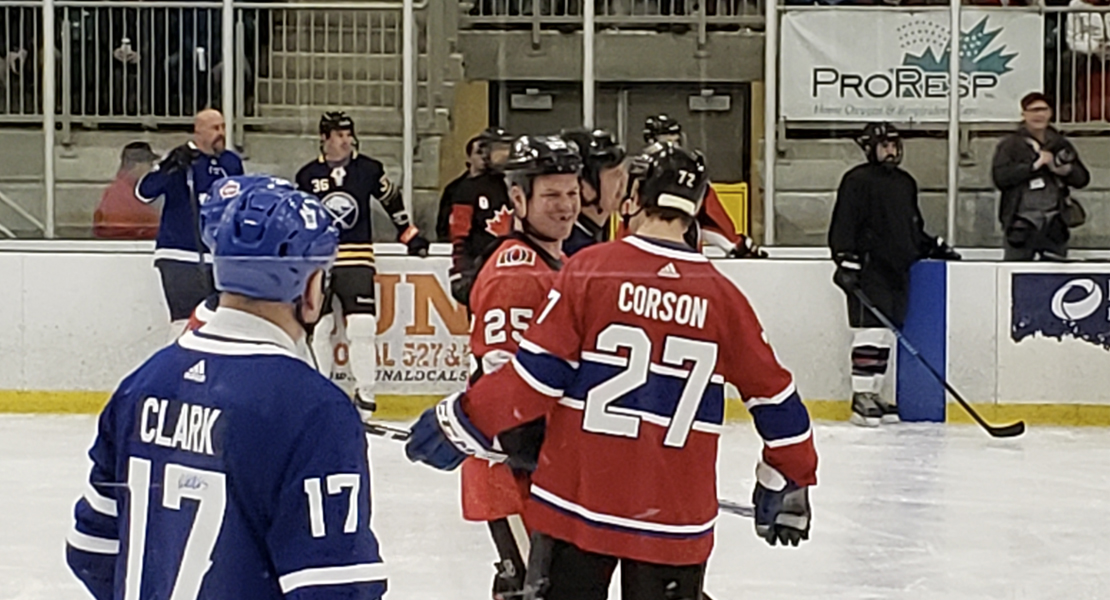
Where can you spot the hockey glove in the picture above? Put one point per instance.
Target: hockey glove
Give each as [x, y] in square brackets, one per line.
[848, 267]
[746, 248]
[942, 251]
[418, 245]
[781, 507]
[180, 158]
[444, 436]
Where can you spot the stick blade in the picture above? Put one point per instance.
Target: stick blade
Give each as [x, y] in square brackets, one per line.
[1007, 431]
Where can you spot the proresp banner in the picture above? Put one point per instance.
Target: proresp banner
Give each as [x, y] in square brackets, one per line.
[898, 70]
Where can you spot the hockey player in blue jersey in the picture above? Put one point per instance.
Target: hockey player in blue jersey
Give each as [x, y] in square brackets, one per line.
[226, 466]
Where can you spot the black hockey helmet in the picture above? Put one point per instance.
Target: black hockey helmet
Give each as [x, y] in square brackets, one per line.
[658, 125]
[336, 120]
[487, 140]
[669, 176]
[874, 134]
[535, 155]
[599, 151]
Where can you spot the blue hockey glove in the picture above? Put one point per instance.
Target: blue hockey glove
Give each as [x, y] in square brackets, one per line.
[444, 436]
[781, 507]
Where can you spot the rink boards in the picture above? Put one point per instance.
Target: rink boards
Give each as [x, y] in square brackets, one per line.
[1019, 341]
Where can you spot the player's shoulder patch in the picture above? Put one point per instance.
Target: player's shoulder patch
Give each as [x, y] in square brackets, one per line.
[516, 256]
[230, 189]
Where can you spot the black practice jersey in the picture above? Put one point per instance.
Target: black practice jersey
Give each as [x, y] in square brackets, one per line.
[877, 218]
[346, 192]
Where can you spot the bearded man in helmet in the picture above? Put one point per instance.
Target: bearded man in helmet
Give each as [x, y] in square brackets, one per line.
[876, 235]
[345, 181]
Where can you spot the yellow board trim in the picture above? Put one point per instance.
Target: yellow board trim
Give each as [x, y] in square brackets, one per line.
[393, 407]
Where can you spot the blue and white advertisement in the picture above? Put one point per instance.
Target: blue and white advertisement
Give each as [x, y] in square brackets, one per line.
[1053, 340]
[851, 65]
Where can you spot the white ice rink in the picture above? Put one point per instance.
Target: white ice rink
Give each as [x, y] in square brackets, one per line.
[912, 511]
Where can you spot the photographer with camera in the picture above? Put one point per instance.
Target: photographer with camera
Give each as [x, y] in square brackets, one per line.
[1035, 168]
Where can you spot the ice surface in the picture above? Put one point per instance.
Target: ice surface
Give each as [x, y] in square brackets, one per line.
[904, 512]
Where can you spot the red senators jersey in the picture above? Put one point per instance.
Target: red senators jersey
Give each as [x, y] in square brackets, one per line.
[512, 284]
[628, 359]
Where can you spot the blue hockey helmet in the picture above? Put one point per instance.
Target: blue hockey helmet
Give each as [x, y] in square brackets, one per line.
[226, 190]
[270, 241]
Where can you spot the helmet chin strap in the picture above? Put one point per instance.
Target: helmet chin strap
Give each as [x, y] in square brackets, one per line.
[532, 232]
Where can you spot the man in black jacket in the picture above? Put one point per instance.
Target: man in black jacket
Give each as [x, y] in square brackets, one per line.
[1035, 169]
[876, 235]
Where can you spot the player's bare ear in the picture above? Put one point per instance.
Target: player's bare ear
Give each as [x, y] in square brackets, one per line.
[520, 203]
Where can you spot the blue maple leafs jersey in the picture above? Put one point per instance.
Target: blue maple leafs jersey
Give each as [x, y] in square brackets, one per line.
[227, 467]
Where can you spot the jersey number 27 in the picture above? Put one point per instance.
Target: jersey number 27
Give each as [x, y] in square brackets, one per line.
[601, 417]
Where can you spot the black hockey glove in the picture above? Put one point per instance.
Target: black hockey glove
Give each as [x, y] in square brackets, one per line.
[782, 512]
[942, 251]
[746, 248]
[418, 244]
[848, 267]
[180, 158]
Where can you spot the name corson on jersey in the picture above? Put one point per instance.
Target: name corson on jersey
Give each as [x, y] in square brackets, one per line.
[658, 305]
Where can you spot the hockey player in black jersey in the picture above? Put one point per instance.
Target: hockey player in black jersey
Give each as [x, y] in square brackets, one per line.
[603, 182]
[480, 212]
[345, 181]
[876, 235]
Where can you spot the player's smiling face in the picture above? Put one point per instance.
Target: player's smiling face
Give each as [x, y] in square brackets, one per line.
[554, 205]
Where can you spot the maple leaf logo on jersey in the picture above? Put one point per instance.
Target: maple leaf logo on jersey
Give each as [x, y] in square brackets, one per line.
[501, 223]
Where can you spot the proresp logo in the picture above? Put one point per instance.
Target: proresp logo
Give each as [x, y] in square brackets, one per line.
[1084, 302]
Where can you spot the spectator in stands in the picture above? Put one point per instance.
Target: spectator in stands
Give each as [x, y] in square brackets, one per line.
[1035, 168]
[1088, 40]
[120, 215]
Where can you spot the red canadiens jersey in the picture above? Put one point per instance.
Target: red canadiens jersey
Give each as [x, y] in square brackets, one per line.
[512, 284]
[628, 359]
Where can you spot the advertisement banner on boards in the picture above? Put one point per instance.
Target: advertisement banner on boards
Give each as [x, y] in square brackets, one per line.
[1054, 334]
[896, 67]
[423, 335]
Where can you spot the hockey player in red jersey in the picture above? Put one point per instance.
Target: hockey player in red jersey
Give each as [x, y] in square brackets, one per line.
[712, 226]
[542, 173]
[628, 360]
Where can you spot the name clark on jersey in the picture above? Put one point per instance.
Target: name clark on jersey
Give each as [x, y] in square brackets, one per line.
[193, 429]
[658, 305]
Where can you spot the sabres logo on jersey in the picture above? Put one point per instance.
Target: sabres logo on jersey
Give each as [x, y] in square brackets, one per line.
[501, 223]
[343, 209]
[516, 256]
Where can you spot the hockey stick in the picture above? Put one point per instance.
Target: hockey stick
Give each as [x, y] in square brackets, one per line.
[1004, 431]
[399, 434]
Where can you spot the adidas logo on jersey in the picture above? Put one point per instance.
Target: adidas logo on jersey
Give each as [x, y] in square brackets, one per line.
[669, 272]
[196, 373]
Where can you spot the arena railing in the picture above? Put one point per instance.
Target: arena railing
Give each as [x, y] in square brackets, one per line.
[155, 63]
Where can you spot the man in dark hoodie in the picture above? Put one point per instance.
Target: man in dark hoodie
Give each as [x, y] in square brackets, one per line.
[1035, 168]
